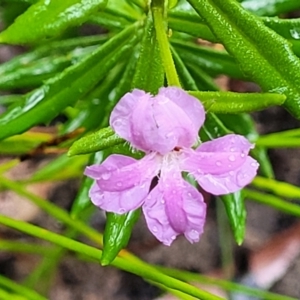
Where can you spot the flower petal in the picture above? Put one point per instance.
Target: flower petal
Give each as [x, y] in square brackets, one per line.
[119, 172]
[191, 105]
[174, 207]
[216, 157]
[229, 182]
[119, 202]
[160, 125]
[120, 118]
[227, 143]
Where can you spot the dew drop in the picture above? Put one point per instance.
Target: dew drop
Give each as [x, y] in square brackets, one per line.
[121, 210]
[162, 201]
[254, 164]
[118, 123]
[193, 234]
[119, 184]
[242, 178]
[242, 154]
[106, 176]
[154, 229]
[231, 173]
[190, 195]
[218, 163]
[232, 149]
[295, 33]
[173, 192]
[231, 157]
[173, 237]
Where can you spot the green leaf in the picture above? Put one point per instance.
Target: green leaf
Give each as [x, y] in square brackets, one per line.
[23, 143]
[44, 103]
[214, 62]
[149, 75]
[92, 109]
[50, 49]
[97, 141]
[264, 56]
[117, 233]
[82, 200]
[46, 19]
[231, 102]
[273, 201]
[109, 21]
[270, 7]
[236, 211]
[61, 168]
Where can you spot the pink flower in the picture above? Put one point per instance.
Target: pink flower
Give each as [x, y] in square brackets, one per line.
[165, 127]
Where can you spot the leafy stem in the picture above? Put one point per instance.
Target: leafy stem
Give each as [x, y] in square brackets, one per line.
[163, 42]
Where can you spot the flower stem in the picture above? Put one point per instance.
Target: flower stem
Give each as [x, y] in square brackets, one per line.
[163, 42]
[139, 268]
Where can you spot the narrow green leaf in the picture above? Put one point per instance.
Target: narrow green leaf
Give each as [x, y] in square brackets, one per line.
[46, 19]
[100, 140]
[61, 168]
[93, 107]
[273, 201]
[264, 56]
[279, 188]
[117, 233]
[19, 289]
[44, 103]
[197, 29]
[214, 62]
[50, 49]
[236, 212]
[23, 143]
[109, 21]
[231, 102]
[270, 7]
[149, 75]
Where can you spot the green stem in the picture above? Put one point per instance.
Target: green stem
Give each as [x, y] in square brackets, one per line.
[19, 289]
[273, 201]
[223, 284]
[279, 188]
[21, 247]
[52, 210]
[141, 269]
[163, 42]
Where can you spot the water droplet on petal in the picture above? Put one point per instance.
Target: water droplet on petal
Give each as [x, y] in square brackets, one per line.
[193, 234]
[154, 229]
[173, 237]
[231, 157]
[162, 201]
[190, 195]
[231, 173]
[243, 155]
[173, 192]
[105, 176]
[242, 178]
[117, 123]
[119, 184]
[218, 163]
[232, 149]
[121, 210]
[254, 164]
